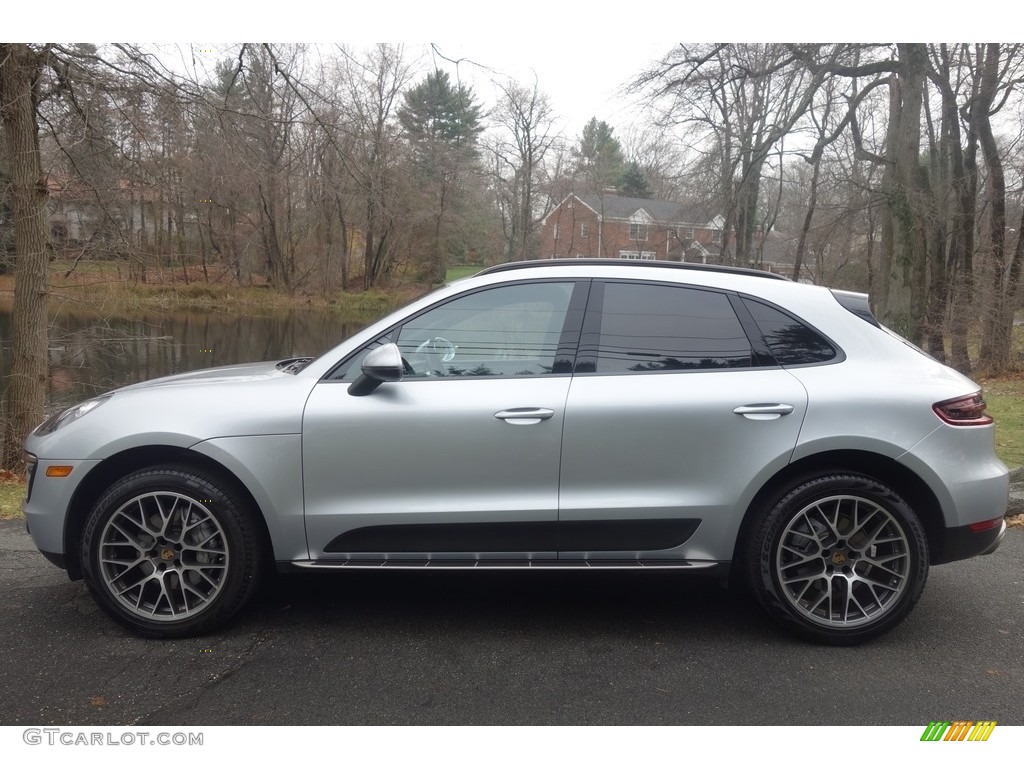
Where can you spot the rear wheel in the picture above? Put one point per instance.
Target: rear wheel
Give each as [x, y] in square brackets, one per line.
[839, 558]
[170, 551]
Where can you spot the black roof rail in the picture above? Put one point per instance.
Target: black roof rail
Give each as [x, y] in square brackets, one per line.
[512, 265]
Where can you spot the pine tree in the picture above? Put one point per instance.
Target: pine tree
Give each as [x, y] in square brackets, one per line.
[441, 122]
[599, 158]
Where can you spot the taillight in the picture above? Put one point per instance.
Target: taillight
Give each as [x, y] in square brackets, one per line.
[966, 411]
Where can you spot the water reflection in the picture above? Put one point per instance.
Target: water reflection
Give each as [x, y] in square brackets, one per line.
[90, 354]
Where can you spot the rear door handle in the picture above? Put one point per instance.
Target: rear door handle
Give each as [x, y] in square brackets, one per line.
[524, 415]
[763, 411]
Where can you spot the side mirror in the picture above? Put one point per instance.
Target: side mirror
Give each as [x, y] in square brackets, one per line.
[380, 365]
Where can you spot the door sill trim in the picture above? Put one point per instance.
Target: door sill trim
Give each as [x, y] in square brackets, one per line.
[505, 565]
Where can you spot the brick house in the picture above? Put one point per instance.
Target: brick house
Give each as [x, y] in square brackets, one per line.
[611, 226]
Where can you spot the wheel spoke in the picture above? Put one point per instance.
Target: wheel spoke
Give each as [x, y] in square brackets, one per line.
[163, 556]
[841, 561]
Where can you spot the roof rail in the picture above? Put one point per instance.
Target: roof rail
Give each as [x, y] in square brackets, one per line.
[512, 265]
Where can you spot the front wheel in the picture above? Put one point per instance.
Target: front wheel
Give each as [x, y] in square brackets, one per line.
[170, 551]
[839, 558]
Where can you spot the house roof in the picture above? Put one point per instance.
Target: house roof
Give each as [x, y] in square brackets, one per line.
[618, 207]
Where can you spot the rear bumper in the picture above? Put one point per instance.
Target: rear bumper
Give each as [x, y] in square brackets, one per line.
[961, 543]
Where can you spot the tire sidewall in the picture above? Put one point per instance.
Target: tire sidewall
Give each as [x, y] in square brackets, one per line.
[222, 503]
[765, 545]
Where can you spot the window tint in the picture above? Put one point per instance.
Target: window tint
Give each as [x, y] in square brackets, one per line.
[667, 328]
[791, 342]
[513, 330]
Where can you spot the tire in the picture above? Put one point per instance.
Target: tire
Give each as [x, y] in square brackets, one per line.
[838, 558]
[171, 551]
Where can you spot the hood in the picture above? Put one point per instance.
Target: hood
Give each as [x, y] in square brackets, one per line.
[226, 374]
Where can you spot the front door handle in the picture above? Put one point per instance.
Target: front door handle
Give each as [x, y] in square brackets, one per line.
[524, 415]
[763, 411]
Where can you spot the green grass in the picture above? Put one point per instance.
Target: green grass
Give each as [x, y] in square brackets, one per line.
[104, 287]
[460, 271]
[11, 493]
[1005, 398]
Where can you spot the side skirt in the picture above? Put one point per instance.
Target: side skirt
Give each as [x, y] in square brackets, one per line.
[498, 565]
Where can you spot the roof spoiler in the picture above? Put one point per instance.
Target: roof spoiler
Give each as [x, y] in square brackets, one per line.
[857, 303]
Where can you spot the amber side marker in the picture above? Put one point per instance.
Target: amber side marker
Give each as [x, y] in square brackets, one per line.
[58, 470]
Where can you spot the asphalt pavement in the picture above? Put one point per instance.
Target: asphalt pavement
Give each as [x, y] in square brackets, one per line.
[508, 648]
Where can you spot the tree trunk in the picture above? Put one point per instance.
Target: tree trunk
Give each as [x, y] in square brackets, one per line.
[997, 321]
[904, 244]
[812, 204]
[20, 68]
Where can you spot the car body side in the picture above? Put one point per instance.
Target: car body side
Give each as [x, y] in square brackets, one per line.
[248, 421]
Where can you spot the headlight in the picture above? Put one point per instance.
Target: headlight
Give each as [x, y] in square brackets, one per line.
[58, 420]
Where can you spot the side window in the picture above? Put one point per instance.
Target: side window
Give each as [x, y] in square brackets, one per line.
[512, 330]
[664, 328]
[791, 342]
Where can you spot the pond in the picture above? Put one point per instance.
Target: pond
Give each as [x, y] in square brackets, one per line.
[90, 353]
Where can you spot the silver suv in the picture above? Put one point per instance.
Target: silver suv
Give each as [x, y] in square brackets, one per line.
[587, 414]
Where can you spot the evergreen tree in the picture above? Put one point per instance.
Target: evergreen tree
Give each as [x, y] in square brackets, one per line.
[441, 123]
[633, 182]
[599, 158]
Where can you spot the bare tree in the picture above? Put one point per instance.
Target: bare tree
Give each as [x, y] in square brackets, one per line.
[375, 84]
[524, 120]
[999, 70]
[736, 102]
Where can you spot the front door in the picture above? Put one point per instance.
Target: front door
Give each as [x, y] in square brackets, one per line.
[460, 459]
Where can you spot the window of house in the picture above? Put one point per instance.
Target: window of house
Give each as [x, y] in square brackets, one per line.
[638, 255]
[716, 236]
[637, 231]
[555, 232]
[686, 233]
[648, 328]
[584, 229]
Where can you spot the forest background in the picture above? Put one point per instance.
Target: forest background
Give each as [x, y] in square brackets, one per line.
[340, 174]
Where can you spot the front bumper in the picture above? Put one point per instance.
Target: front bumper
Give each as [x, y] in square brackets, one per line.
[46, 507]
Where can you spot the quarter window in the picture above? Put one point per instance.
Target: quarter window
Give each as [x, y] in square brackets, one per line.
[645, 328]
[791, 342]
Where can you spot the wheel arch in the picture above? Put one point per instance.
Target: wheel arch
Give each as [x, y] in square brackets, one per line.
[108, 471]
[900, 478]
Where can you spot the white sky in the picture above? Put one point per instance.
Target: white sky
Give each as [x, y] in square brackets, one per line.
[581, 53]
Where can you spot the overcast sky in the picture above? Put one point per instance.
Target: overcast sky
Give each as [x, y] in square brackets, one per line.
[580, 53]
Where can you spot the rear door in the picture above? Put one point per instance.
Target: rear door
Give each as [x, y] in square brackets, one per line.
[674, 418]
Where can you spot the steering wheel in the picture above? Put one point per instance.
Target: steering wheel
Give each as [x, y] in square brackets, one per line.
[437, 350]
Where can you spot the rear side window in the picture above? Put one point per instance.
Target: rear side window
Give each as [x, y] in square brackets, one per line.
[791, 342]
[653, 327]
